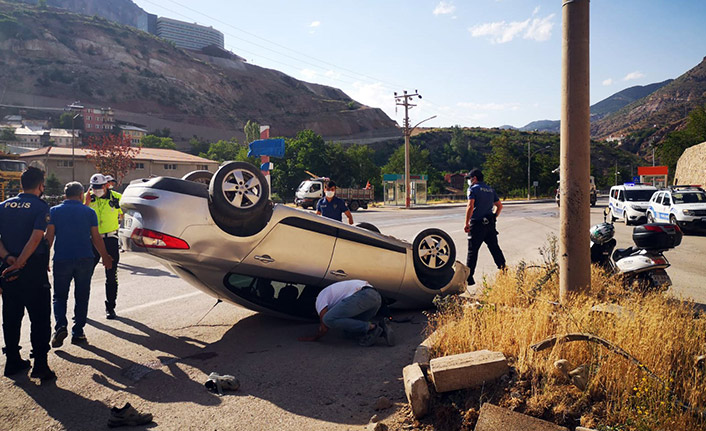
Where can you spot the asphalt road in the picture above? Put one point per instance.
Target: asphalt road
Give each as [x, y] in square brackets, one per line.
[159, 352]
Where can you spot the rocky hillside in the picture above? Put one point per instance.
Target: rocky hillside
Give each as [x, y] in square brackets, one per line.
[667, 107]
[51, 57]
[121, 11]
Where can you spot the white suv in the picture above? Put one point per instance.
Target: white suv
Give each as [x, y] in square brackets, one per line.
[629, 202]
[681, 205]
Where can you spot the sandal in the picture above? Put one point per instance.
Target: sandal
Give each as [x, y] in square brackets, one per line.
[218, 383]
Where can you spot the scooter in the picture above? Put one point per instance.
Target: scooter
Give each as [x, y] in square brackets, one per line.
[643, 265]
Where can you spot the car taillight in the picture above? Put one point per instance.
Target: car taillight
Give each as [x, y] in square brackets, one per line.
[151, 239]
[149, 197]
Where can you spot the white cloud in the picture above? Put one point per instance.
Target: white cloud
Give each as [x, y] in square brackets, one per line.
[633, 75]
[444, 8]
[315, 24]
[536, 11]
[308, 74]
[607, 82]
[538, 29]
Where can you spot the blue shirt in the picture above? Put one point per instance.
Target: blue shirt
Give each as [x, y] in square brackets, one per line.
[334, 209]
[484, 199]
[19, 217]
[72, 222]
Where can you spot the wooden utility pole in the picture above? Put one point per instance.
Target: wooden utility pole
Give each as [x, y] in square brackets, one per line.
[574, 246]
[403, 100]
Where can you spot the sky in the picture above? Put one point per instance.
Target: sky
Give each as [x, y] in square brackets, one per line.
[485, 63]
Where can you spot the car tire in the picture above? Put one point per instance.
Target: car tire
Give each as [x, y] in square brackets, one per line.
[201, 176]
[238, 190]
[650, 218]
[368, 226]
[354, 205]
[673, 220]
[434, 253]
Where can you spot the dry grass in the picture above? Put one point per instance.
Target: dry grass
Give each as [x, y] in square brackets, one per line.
[664, 392]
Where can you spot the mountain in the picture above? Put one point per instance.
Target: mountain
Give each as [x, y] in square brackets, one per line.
[50, 58]
[121, 11]
[667, 108]
[603, 108]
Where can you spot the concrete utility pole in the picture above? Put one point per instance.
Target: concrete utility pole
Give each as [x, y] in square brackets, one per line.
[74, 107]
[574, 246]
[403, 100]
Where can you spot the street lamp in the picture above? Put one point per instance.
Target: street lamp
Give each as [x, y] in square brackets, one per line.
[74, 106]
[529, 159]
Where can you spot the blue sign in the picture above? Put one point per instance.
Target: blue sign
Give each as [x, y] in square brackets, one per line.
[267, 166]
[635, 179]
[267, 147]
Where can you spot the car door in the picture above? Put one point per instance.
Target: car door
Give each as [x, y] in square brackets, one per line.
[296, 250]
[655, 203]
[359, 256]
[620, 203]
[665, 208]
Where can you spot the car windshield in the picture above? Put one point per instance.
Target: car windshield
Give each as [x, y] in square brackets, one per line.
[304, 186]
[12, 166]
[689, 198]
[638, 195]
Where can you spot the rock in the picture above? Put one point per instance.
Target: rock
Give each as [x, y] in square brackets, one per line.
[416, 389]
[467, 370]
[382, 403]
[494, 418]
[374, 419]
[377, 426]
[422, 356]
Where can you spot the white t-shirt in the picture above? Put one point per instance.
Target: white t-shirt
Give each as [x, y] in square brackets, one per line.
[337, 292]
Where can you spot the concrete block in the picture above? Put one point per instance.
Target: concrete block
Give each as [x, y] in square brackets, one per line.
[416, 389]
[422, 356]
[494, 418]
[467, 370]
[584, 429]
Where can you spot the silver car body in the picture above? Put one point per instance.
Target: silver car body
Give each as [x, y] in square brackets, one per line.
[295, 248]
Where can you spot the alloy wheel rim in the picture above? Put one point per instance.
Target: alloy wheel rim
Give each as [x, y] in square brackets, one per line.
[241, 189]
[434, 251]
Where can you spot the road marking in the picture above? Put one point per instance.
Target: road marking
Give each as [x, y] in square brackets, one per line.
[161, 301]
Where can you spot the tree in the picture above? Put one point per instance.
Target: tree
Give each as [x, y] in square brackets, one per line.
[162, 133]
[8, 134]
[53, 186]
[222, 151]
[676, 142]
[152, 141]
[418, 164]
[503, 169]
[197, 146]
[252, 131]
[112, 154]
[305, 152]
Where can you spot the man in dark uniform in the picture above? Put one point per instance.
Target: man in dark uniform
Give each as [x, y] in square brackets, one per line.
[332, 206]
[23, 220]
[480, 221]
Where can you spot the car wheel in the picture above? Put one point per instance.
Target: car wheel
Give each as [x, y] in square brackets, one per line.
[237, 190]
[354, 206]
[434, 252]
[672, 219]
[650, 218]
[199, 177]
[368, 226]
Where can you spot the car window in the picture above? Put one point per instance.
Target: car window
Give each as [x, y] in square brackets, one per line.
[638, 195]
[657, 198]
[315, 187]
[666, 200]
[621, 196]
[289, 298]
[689, 198]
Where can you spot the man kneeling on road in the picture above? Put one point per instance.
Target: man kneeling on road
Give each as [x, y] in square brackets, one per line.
[350, 306]
[75, 227]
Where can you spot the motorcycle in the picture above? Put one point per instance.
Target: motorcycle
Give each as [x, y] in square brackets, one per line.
[642, 265]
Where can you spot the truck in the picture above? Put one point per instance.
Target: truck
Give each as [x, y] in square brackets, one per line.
[10, 173]
[593, 191]
[310, 191]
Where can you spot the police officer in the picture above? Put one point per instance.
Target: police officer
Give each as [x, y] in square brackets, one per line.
[23, 249]
[106, 203]
[332, 206]
[480, 221]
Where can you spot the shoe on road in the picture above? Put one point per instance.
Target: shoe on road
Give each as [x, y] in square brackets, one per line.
[59, 336]
[41, 369]
[110, 314]
[218, 383]
[127, 416]
[79, 339]
[370, 337]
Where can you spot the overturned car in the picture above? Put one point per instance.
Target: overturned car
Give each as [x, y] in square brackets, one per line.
[228, 239]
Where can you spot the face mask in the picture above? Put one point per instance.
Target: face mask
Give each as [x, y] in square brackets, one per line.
[329, 194]
[99, 193]
[470, 183]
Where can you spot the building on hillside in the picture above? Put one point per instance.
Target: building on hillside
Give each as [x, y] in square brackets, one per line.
[97, 120]
[189, 35]
[133, 133]
[149, 162]
[455, 180]
[32, 138]
[13, 121]
[64, 137]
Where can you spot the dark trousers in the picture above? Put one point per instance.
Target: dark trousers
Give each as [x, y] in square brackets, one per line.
[111, 275]
[33, 292]
[483, 233]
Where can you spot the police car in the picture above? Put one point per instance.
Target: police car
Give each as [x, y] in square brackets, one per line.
[629, 202]
[681, 205]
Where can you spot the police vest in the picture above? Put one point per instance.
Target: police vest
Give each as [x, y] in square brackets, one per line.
[108, 211]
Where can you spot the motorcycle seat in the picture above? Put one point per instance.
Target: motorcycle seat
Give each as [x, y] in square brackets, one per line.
[622, 252]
